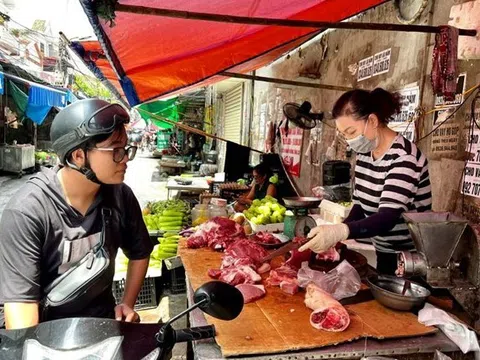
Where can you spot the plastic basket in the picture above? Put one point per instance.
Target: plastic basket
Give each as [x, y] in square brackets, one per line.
[147, 298]
[177, 281]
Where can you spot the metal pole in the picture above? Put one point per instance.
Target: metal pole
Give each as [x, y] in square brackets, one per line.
[285, 82]
[190, 15]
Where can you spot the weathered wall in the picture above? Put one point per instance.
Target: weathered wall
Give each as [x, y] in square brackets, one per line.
[334, 56]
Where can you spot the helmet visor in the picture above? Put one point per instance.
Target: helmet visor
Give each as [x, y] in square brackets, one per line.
[106, 119]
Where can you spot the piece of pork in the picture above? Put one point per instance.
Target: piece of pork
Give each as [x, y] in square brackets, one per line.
[328, 314]
[251, 292]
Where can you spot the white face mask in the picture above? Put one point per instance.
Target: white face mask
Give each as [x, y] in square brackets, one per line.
[361, 144]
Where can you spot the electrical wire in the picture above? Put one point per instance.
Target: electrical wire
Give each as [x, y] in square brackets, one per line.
[448, 117]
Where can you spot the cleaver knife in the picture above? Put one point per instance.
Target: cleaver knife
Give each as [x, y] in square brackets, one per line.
[281, 251]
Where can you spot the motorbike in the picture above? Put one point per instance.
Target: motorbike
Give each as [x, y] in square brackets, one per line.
[106, 339]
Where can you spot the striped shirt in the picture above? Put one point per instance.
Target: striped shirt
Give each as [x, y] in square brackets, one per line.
[398, 180]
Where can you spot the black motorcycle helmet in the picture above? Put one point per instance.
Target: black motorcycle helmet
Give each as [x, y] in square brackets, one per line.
[79, 122]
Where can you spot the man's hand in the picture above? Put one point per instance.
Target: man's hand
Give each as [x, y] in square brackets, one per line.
[324, 237]
[125, 313]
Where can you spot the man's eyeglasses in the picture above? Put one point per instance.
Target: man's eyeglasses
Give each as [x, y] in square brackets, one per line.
[120, 152]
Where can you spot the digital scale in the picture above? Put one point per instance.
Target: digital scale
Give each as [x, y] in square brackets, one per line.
[300, 223]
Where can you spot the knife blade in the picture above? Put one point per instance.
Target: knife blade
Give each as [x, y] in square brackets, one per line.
[282, 251]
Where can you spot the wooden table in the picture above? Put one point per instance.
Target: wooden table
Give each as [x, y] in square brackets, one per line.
[279, 324]
[198, 185]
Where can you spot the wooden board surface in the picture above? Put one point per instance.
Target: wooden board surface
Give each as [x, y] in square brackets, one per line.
[280, 322]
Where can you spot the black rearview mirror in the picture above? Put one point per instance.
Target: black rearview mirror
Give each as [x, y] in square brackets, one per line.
[224, 301]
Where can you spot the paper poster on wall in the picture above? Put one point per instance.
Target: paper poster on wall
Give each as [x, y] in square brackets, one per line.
[471, 179]
[409, 102]
[291, 151]
[461, 82]
[445, 138]
[365, 69]
[381, 62]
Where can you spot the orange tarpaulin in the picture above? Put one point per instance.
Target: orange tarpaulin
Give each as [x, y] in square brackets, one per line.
[154, 55]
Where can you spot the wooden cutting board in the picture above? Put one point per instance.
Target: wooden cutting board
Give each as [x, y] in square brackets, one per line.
[280, 322]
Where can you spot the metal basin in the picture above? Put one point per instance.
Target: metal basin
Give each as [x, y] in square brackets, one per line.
[387, 290]
[302, 202]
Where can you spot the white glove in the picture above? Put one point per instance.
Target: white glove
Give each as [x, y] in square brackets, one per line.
[324, 237]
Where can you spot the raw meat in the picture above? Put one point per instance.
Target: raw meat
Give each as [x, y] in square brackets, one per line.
[328, 314]
[251, 292]
[265, 267]
[236, 275]
[297, 258]
[239, 265]
[286, 278]
[283, 273]
[265, 238]
[217, 234]
[244, 248]
[330, 255]
[289, 287]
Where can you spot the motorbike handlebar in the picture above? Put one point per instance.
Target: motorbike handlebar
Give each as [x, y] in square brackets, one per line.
[196, 333]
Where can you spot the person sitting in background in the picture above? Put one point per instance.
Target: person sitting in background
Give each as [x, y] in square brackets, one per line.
[260, 189]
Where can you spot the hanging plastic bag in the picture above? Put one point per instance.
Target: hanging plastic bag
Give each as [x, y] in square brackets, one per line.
[341, 282]
[459, 333]
[335, 193]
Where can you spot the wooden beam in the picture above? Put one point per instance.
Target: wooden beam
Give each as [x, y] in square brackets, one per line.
[190, 15]
[285, 82]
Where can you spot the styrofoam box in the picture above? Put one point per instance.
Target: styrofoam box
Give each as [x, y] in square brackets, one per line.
[335, 208]
[272, 228]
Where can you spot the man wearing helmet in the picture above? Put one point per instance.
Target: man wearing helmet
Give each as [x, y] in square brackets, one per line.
[56, 218]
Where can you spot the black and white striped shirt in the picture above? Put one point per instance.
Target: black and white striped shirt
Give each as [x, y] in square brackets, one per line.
[398, 180]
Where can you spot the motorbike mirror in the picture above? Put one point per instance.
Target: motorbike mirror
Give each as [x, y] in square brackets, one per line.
[224, 301]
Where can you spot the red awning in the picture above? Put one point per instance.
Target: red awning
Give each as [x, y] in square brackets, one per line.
[155, 56]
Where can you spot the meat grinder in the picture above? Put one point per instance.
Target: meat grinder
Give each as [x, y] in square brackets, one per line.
[447, 257]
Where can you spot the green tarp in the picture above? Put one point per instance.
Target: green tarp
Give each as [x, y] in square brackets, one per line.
[19, 98]
[166, 109]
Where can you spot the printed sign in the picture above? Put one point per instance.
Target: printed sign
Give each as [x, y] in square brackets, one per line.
[445, 138]
[291, 150]
[409, 101]
[374, 65]
[365, 69]
[461, 82]
[381, 62]
[471, 176]
[403, 121]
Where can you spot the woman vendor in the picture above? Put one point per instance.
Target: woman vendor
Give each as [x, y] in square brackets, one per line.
[391, 177]
[260, 189]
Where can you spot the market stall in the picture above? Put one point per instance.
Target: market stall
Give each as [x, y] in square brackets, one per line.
[277, 321]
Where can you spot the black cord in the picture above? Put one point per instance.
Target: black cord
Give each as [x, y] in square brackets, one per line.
[448, 118]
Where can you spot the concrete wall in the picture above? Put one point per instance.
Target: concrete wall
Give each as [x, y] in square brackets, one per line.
[331, 59]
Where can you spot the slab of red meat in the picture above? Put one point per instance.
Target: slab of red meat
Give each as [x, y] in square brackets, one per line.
[328, 314]
[285, 277]
[265, 238]
[216, 233]
[265, 267]
[235, 275]
[244, 248]
[297, 258]
[330, 255]
[283, 273]
[251, 292]
[289, 287]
